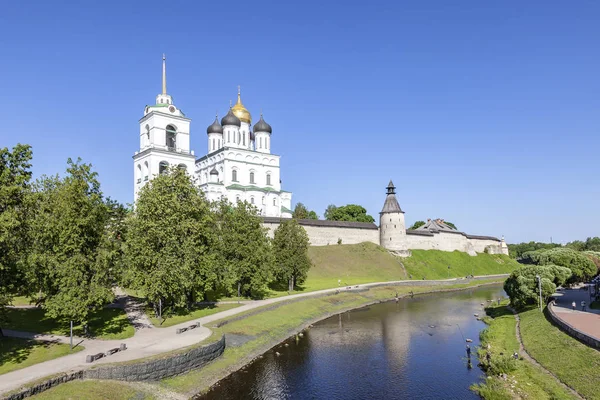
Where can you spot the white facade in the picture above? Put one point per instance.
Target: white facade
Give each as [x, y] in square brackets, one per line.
[238, 166]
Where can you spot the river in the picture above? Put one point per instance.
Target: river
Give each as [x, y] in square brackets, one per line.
[413, 349]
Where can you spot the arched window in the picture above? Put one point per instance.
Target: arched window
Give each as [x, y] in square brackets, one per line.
[138, 173]
[228, 136]
[182, 167]
[267, 143]
[205, 177]
[252, 200]
[274, 201]
[239, 138]
[162, 167]
[244, 139]
[171, 134]
[219, 143]
[237, 199]
[251, 177]
[263, 200]
[268, 179]
[146, 170]
[260, 142]
[147, 138]
[234, 175]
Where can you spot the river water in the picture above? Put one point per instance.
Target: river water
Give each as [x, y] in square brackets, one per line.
[413, 349]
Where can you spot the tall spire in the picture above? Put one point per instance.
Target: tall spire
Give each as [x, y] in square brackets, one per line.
[239, 95]
[164, 76]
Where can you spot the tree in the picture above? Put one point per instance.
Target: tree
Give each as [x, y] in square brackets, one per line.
[290, 247]
[67, 228]
[522, 285]
[244, 250]
[582, 268]
[329, 211]
[15, 176]
[517, 250]
[417, 224]
[301, 212]
[451, 225]
[350, 212]
[169, 240]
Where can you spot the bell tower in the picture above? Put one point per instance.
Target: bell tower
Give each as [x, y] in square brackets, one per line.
[164, 139]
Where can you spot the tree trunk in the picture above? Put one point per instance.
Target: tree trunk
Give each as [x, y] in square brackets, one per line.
[239, 288]
[291, 285]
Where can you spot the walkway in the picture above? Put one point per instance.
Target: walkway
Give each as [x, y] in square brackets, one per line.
[148, 342]
[587, 321]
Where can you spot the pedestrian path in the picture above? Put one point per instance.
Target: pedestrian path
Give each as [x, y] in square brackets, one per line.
[147, 342]
[587, 321]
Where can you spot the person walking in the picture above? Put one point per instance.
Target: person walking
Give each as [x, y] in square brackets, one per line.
[582, 305]
[574, 305]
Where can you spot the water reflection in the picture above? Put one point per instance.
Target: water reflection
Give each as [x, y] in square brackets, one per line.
[413, 349]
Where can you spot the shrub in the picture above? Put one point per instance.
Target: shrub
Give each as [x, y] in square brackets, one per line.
[581, 266]
[522, 286]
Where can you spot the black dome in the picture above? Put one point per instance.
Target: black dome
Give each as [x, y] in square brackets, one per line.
[262, 126]
[231, 119]
[215, 127]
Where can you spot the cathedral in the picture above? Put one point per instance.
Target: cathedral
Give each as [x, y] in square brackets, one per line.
[238, 165]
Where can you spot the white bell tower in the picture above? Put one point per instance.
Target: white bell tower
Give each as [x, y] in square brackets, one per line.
[164, 139]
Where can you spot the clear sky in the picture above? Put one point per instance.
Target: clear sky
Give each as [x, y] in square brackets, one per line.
[483, 113]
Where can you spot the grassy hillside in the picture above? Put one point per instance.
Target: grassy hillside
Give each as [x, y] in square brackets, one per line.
[368, 262]
[433, 264]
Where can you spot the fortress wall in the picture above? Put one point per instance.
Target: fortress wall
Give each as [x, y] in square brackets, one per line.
[438, 241]
[479, 245]
[325, 235]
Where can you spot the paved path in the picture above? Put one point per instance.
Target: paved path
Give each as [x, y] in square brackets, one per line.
[587, 321]
[134, 310]
[148, 342]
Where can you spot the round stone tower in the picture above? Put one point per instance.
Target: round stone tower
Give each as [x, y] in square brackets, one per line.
[392, 228]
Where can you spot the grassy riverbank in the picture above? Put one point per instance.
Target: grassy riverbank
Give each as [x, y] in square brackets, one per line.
[259, 332]
[524, 379]
[574, 363]
[368, 262]
[95, 390]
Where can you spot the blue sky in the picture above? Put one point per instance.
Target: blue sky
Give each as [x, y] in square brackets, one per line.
[482, 113]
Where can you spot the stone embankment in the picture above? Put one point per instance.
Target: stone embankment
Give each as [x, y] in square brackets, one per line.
[152, 370]
[578, 334]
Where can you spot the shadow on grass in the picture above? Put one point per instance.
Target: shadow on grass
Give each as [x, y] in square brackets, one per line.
[283, 287]
[498, 311]
[16, 350]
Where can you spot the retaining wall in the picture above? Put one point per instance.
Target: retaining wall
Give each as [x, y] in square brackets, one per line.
[571, 330]
[153, 370]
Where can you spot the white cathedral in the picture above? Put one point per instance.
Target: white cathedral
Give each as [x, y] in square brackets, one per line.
[238, 166]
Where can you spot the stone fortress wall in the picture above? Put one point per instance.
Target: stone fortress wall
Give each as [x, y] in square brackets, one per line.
[392, 233]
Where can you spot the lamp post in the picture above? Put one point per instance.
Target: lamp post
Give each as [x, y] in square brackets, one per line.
[540, 288]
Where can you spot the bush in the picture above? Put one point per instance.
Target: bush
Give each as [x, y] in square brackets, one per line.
[522, 286]
[581, 266]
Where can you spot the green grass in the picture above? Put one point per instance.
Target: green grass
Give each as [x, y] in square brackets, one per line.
[532, 381]
[108, 323]
[574, 363]
[182, 315]
[93, 390]
[275, 325]
[595, 305]
[21, 301]
[18, 353]
[433, 264]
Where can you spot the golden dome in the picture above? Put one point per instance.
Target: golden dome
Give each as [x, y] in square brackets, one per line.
[240, 111]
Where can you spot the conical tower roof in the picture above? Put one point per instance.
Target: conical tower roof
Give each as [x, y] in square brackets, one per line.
[391, 203]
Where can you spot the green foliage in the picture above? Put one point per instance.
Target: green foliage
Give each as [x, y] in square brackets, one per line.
[68, 222]
[290, 244]
[417, 224]
[350, 212]
[522, 285]
[169, 240]
[451, 225]
[329, 211]
[590, 244]
[15, 176]
[582, 268]
[517, 250]
[301, 212]
[243, 249]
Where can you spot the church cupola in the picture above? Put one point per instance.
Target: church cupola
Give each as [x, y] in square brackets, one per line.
[215, 135]
[230, 120]
[262, 136]
[240, 111]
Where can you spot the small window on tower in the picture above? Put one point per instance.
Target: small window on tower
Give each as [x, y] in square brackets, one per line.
[234, 175]
[251, 200]
[274, 201]
[268, 179]
[251, 177]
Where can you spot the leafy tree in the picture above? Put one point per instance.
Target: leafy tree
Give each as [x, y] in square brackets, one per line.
[582, 268]
[67, 230]
[517, 250]
[244, 250]
[350, 212]
[522, 285]
[451, 225]
[290, 247]
[590, 244]
[169, 240]
[111, 252]
[15, 178]
[301, 212]
[576, 245]
[329, 211]
[417, 224]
